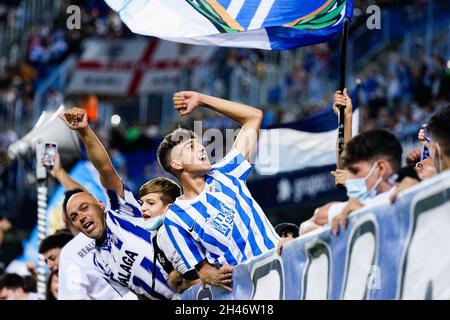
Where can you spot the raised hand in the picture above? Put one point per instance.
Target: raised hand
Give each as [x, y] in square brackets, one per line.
[75, 118]
[57, 166]
[54, 171]
[186, 101]
[424, 140]
[342, 100]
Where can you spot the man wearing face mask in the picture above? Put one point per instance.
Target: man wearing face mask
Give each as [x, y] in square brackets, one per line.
[371, 158]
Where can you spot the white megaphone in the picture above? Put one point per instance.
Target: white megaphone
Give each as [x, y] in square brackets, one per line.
[49, 127]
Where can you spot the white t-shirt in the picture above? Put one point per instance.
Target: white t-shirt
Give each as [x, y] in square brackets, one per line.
[78, 279]
[337, 207]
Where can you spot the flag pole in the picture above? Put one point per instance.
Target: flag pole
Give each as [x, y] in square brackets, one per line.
[41, 177]
[342, 74]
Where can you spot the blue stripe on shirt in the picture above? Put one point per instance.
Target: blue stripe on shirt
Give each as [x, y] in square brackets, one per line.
[149, 267]
[245, 218]
[118, 243]
[187, 239]
[259, 223]
[237, 237]
[209, 239]
[183, 215]
[113, 200]
[115, 203]
[141, 283]
[132, 228]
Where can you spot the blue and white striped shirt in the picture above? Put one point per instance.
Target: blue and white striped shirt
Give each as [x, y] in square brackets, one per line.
[223, 224]
[126, 257]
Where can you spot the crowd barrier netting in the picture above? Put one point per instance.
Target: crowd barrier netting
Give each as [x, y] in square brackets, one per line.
[398, 251]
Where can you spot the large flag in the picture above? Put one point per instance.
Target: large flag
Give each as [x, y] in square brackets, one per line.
[305, 143]
[263, 24]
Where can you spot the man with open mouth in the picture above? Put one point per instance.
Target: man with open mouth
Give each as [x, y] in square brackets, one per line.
[124, 250]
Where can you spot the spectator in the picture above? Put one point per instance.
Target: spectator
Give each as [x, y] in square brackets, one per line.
[51, 292]
[12, 287]
[51, 247]
[439, 130]
[79, 278]
[371, 159]
[157, 195]
[181, 154]
[287, 230]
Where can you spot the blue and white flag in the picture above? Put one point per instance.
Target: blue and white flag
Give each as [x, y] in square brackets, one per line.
[262, 24]
[305, 143]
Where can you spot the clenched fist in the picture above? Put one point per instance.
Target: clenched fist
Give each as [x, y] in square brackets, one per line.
[75, 118]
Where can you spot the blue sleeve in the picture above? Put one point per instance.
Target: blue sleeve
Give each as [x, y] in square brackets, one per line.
[234, 164]
[190, 250]
[129, 205]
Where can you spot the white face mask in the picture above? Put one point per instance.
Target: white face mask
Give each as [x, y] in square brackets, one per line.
[154, 223]
[357, 188]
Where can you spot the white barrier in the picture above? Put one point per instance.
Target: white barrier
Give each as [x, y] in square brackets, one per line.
[399, 251]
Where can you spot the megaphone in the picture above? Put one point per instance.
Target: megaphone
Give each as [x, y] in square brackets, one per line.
[49, 127]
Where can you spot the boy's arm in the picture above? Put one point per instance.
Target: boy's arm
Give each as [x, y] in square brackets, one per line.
[343, 100]
[248, 117]
[76, 119]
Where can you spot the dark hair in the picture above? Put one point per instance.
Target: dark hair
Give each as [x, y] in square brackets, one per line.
[373, 145]
[11, 281]
[168, 188]
[30, 283]
[67, 196]
[283, 229]
[56, 240]
[48, 289]
[439, 128]
[169, 142]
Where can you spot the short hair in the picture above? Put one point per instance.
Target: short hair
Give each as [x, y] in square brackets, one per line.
[67, 195]
[48, 291]
[439, 128]
[169, 142]
[11, 281]
[168, 188]
[373, 145]
[56, 240]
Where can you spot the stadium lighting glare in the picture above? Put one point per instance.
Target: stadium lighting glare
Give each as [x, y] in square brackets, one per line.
[115, 120]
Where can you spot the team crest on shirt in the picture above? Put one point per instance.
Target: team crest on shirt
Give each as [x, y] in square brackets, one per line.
[224, 220]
